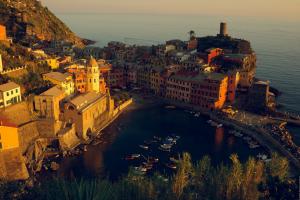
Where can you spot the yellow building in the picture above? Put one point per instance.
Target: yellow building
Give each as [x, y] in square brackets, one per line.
[52, 62]
[87, 111]
[47, 103]
[9, 137]
[10, 93]
[63, 81]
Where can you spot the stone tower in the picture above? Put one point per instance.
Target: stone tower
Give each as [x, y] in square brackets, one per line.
[1, 65]
[223, 29]
[92, 76]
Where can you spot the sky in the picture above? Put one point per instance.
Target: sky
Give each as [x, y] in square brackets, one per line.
[282, 9]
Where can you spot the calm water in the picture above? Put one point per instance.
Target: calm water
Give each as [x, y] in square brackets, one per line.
[277, 44]
[133, 127]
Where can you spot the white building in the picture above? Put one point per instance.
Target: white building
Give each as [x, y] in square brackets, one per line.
[10, 93]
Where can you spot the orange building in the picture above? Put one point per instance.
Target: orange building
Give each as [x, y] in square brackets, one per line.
[233, 81]
[210, 54]
[3, 33]
[206, 90]
[9, 137]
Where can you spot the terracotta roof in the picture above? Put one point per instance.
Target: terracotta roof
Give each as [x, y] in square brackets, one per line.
[5, 122]
[8, 86]
[57, 76]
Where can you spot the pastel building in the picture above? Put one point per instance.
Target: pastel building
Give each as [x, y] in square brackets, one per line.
[10, 93]
[246, 66]
[53, 63]
[85, 112]
[210, 54]
[48, 103]
[9, 137]
[3, 33]
[63, 81]
[206, 90]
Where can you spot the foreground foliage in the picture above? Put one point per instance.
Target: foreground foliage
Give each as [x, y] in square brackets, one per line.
[246, 181]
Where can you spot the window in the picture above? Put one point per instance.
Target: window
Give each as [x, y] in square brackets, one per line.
[0, 145]
[7, 93]
[17, 90]
[12, 92]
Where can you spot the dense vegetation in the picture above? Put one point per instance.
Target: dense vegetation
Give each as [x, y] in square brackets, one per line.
[251, 180]
[236, 45]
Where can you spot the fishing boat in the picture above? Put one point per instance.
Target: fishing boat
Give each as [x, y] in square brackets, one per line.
[171, 165]
[144, 147]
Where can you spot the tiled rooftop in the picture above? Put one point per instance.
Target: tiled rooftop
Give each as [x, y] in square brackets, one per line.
[8, 86]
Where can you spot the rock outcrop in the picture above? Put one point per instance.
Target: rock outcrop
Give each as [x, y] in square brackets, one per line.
[26, 18]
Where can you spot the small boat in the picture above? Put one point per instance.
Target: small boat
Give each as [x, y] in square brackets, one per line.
[153, 160]
[144, 147]
[197, 115]
[148, 142]
[136, 155]
[140, 170]
[164, 148]
[171, 165]
[253, 146]
[262, 156]
[129, 157]
[157, 138]
[173, 159]
[247, 138]
[85, 148]
[147, 165]
[170, 107]
[219, 125]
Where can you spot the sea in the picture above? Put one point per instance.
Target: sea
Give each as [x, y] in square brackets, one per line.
[275, 41]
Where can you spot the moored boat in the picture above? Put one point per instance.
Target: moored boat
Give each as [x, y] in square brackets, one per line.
[171, 165]
[144, 147]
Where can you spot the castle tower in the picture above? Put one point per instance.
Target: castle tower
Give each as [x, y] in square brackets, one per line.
[92, 76]
[223, 29]
[1, 65]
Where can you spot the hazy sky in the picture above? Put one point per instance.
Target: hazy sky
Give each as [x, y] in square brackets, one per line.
[285, 9]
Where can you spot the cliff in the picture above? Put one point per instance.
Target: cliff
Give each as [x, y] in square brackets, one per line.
[26, 18]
